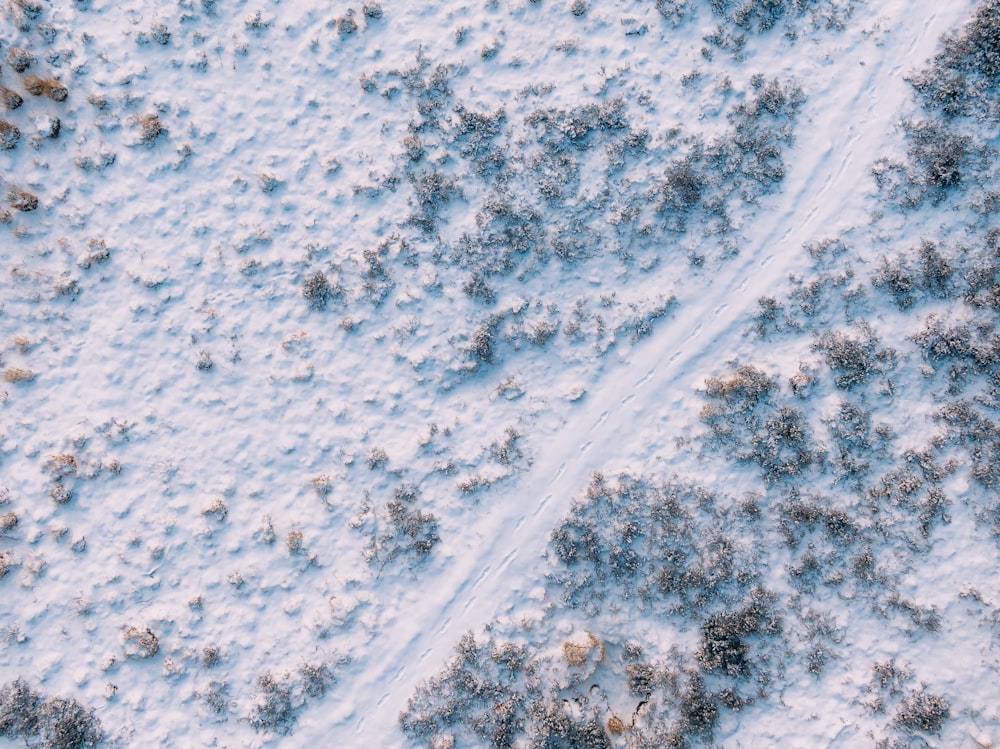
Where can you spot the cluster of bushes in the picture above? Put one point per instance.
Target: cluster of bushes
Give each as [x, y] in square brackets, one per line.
[49, 722]
[499, 693]
[401, 528]
[758, 16]
[661, 543]
[745, 416]
[963, 77]
[278, 698]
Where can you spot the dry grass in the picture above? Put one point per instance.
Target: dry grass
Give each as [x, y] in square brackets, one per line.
[150, 128]
[48, 87]
[577, 654]
[142, 642]
[22, 200]
[16, 374]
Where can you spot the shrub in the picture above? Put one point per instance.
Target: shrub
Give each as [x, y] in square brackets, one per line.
[964, 74]
[216, 698]
[896, 278]
[759, 15]
[482, 342]
[371, 9]
[855, 358]
[150, 128]
[938, 155]
[159, 33]
[923, 711]
[316, 679]
[724, 645]
[67, 724]
[317, 290]
[413, 530]
[17, 374]
[22, 200]
[48, 87]
[10, 99]
[747, 387]
[273, 709]
[19, 706]
[19, 59]
[9, 135]
[346, 25]
[57, 723]
[377, 283]
[141, 642]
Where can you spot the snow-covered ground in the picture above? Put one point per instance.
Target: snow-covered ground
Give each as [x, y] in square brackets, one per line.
[326, 320]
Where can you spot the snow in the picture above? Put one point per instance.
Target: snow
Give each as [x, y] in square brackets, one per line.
[201, 396]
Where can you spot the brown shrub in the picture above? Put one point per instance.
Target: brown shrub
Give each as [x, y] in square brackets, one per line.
[50, 87]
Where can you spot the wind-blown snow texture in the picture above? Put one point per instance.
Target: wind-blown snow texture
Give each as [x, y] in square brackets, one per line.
[531, 374]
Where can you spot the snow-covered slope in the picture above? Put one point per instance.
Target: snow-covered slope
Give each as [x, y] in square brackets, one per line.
[325, 319]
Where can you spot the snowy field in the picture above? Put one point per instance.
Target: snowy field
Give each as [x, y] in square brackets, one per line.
[557, 373]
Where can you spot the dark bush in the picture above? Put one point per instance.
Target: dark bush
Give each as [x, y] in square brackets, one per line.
[937, 154]
[896, 278]
[923, 711]
[19, 709]
[317, 290]
[66, 724]
[963, 77]
[9, 135]
[10, 99]
[19, 59]
[273, 709]
[854, 358]
[724, 636]
[56, 722]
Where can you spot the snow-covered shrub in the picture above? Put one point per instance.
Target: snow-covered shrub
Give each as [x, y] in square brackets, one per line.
[432, 191]
[317, 290]
[482, 691]
[19, 59]
[759, 15]
[273, 710]
[923, 711]
[854, 357]
[726, 636]
[938, 155]
[67, 724]
[48, 87]
[964, 75]
[19, 705]
[53, 723]
[151, 127]
[9, 135]
[21, 200]
[10, 99]
[745, 419]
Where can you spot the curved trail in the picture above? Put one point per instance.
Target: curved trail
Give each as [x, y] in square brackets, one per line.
[823, 194]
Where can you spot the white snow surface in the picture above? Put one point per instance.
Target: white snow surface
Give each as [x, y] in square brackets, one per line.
[207, 258]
